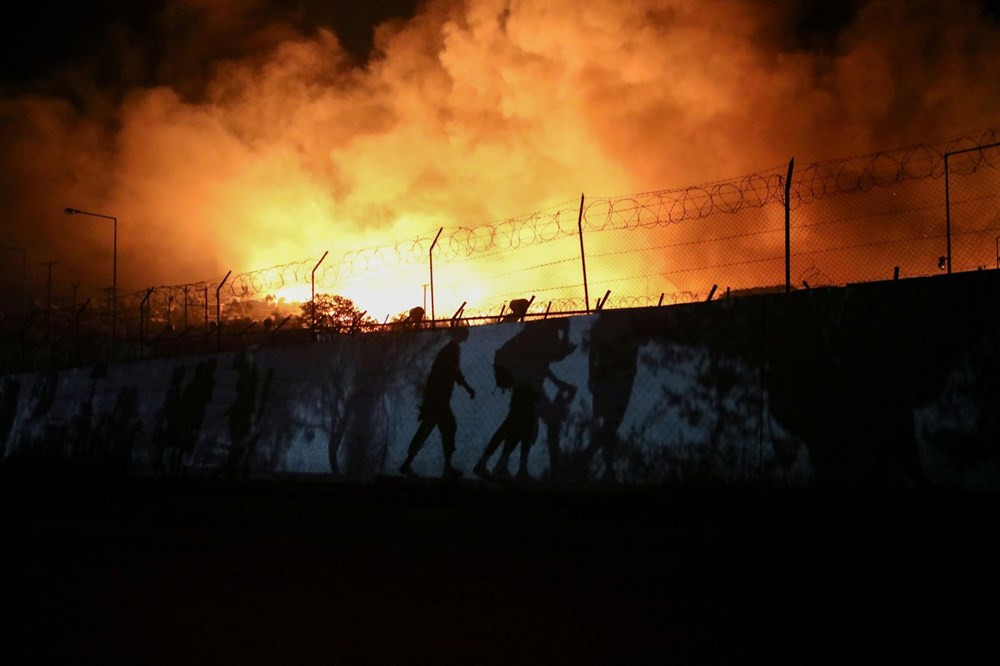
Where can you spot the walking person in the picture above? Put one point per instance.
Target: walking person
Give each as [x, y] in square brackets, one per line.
[435, 410]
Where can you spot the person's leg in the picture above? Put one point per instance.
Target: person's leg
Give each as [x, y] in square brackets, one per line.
[417, 443]
[610, 450]
[494, 443]
[522, 410]
[447, 428]
[526, 444]
[502, 468]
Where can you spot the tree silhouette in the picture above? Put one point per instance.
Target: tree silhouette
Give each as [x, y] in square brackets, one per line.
[334, 312]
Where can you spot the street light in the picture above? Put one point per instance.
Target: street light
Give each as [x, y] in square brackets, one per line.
[114, 264]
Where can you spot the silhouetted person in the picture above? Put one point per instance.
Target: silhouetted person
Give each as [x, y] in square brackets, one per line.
[518, 308]
[519, 427]
[240, 414]
[553, 414]
[522, 365]
[615, 340]
[166, 432]
[193, 401]
[116, 432]
[414, 319]
[435, 410]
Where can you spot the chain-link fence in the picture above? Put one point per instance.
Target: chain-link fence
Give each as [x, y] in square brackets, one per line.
[917, 211]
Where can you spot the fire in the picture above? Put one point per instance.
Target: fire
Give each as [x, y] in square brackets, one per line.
[470, 113]
[296, 293]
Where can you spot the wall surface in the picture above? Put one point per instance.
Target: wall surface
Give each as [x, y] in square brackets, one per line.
[884, 384]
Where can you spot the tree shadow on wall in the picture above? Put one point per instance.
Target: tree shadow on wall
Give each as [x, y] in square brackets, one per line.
[10, 396]
[363, 380]
[251, 446]
[39, 440]
[97, 443]
[703, 425]
[116, 432]
[705, 412]
[179, 420]
[964, 432]
[840, 377]
[269, 436]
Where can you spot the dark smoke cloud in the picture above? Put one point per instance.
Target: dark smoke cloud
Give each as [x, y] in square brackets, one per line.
[243, 134]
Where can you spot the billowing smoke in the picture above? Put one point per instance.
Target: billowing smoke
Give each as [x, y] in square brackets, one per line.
[234, 135]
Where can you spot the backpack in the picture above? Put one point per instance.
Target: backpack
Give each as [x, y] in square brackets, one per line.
[502, 375]
[505, 360]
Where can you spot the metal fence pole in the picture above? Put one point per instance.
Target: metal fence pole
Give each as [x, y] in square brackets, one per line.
[142, 320]
[947, 195]
[788, 227]
[430, 257]
[583, 257]
[947, 214]
[218, 312]
[313, 293]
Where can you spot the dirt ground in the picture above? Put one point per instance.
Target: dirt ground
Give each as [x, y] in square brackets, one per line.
[150, 571]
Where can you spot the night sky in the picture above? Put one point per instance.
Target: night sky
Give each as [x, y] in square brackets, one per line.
[49, 38]
[248, 134]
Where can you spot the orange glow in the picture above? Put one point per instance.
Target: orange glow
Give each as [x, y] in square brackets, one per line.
[296, 293]
[473, 112]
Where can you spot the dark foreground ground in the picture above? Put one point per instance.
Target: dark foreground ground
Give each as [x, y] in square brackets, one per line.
[174, 572]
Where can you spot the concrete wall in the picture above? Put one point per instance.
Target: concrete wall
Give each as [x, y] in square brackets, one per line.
[878, 384]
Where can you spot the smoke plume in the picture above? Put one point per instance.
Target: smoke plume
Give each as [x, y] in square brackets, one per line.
[239, 135]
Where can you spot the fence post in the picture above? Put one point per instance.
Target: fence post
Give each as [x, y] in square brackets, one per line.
[142, 320]
[430, 257]
[947, 213]
[788, 227]
[313, 297]
[218, 313]
[947, 195]
[583, 258]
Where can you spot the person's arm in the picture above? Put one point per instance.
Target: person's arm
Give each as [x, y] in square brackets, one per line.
[460, 380]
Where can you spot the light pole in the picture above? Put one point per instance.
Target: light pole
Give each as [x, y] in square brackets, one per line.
[114, 265]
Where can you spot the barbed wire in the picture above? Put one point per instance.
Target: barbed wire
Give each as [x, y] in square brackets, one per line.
[644, 210]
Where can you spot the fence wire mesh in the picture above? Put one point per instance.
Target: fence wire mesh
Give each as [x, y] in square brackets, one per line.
[916, 211]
